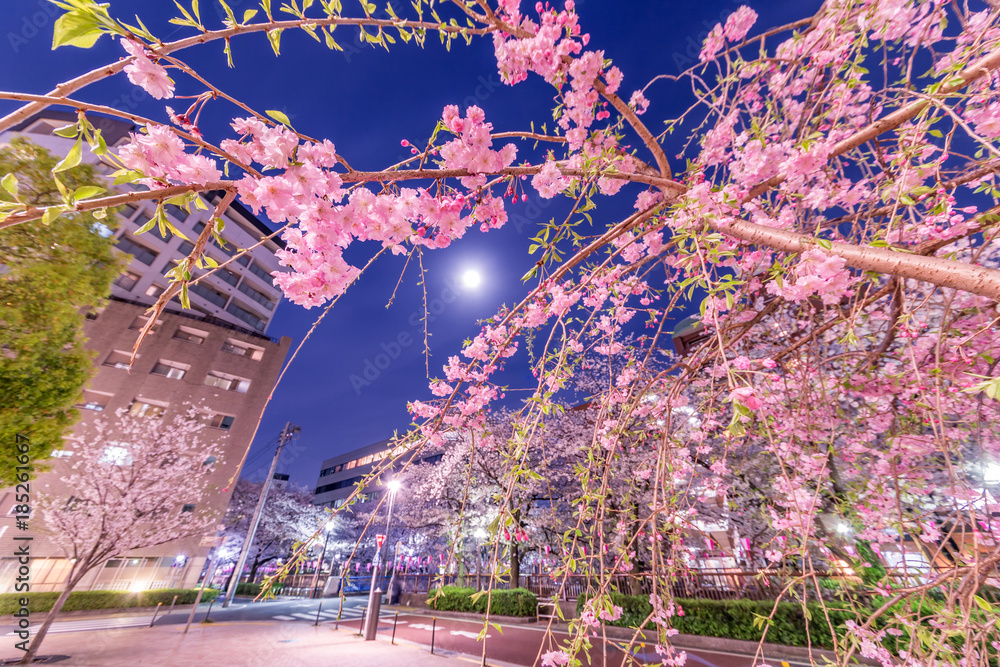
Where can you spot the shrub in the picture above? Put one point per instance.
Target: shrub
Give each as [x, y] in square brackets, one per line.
[734, 619]
[515, 602]
[88, 600]
[248, 588]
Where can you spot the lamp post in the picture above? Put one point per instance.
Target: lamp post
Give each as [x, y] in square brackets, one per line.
[480, 535]
[375, 594]
[322, 557]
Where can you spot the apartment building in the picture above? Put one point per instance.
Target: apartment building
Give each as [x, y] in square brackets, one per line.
[215, 357]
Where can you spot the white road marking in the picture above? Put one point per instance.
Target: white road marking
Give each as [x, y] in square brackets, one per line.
[283, 618]
[467, 634]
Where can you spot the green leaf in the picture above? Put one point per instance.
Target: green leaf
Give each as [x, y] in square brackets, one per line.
[146, 227]
[280, 117]
[51, 214]
[87, 191]
[76, 28]
[67, 131]
[274, 36]
[249, 14]
[9, 183]
[72, 158]
[126, 176]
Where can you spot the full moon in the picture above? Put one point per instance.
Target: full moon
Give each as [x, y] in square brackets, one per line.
[472, 279]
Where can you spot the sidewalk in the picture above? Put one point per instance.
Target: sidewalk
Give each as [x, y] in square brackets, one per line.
[243, 644]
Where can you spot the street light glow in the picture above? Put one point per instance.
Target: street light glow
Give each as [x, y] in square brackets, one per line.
[393, 485]
[472, 279]
[991, 473]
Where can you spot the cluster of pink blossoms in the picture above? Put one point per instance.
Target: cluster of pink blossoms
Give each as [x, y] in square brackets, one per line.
[329, 218]
[737, 26]
[160, 154]
[816, 274]
[146, 74]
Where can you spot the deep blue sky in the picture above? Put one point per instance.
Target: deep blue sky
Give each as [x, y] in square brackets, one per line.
[365, 100]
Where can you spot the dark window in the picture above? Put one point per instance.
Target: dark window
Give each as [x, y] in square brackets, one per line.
[144, 255]
[256, 296]
[338, 485]
[185, 248]
[187, 508]
[261, 273]
[198, 227]
[253, 320]
[127, 280]
[209, 294]
[228, 276]
[177, 212]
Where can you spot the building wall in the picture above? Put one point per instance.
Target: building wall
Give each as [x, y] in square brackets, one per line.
[205, 340]
[117, 388]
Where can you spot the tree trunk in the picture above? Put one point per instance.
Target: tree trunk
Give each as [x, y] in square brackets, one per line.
[36, 643]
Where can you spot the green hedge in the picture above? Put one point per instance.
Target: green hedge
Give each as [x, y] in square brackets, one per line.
[86, 600]
[734, 619]
[515, 602]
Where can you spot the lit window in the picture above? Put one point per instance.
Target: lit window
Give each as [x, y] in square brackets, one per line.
[191, 335]
[227, 382]
[119, 359]
[217, 420]
[241, 349]
[144, 408]
[94, 400]
[170, 369]
[155, 290]
[127, 280]
[140, 321]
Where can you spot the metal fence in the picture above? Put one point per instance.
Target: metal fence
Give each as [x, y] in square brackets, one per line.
[698, 584]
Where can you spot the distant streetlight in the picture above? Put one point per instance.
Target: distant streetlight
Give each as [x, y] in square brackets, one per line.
[991, 473]
[375, 594]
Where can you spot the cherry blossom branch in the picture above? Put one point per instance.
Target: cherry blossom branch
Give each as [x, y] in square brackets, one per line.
[141, 120]
[891, 121]
[73, 85]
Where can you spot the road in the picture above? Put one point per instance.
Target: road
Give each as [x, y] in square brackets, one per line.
[517, 644]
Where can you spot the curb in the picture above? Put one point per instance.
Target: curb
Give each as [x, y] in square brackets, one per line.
[740, 646]
[461, 615]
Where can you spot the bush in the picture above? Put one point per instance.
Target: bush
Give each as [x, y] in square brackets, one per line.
[515, 602]
[248, 588]
[734, 619]
[87, 600]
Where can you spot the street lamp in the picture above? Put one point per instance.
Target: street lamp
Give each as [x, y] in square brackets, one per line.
[375, 594]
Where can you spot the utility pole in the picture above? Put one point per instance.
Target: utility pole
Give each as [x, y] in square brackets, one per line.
[255, 520]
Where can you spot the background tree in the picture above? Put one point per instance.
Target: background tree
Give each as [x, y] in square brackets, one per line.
[288, 518]
[49, 275]
[125, 478]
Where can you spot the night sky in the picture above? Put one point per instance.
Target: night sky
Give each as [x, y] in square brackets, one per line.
[366, 100]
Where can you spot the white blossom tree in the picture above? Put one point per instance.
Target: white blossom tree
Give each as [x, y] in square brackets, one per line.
[125, 478]
[288, 518]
